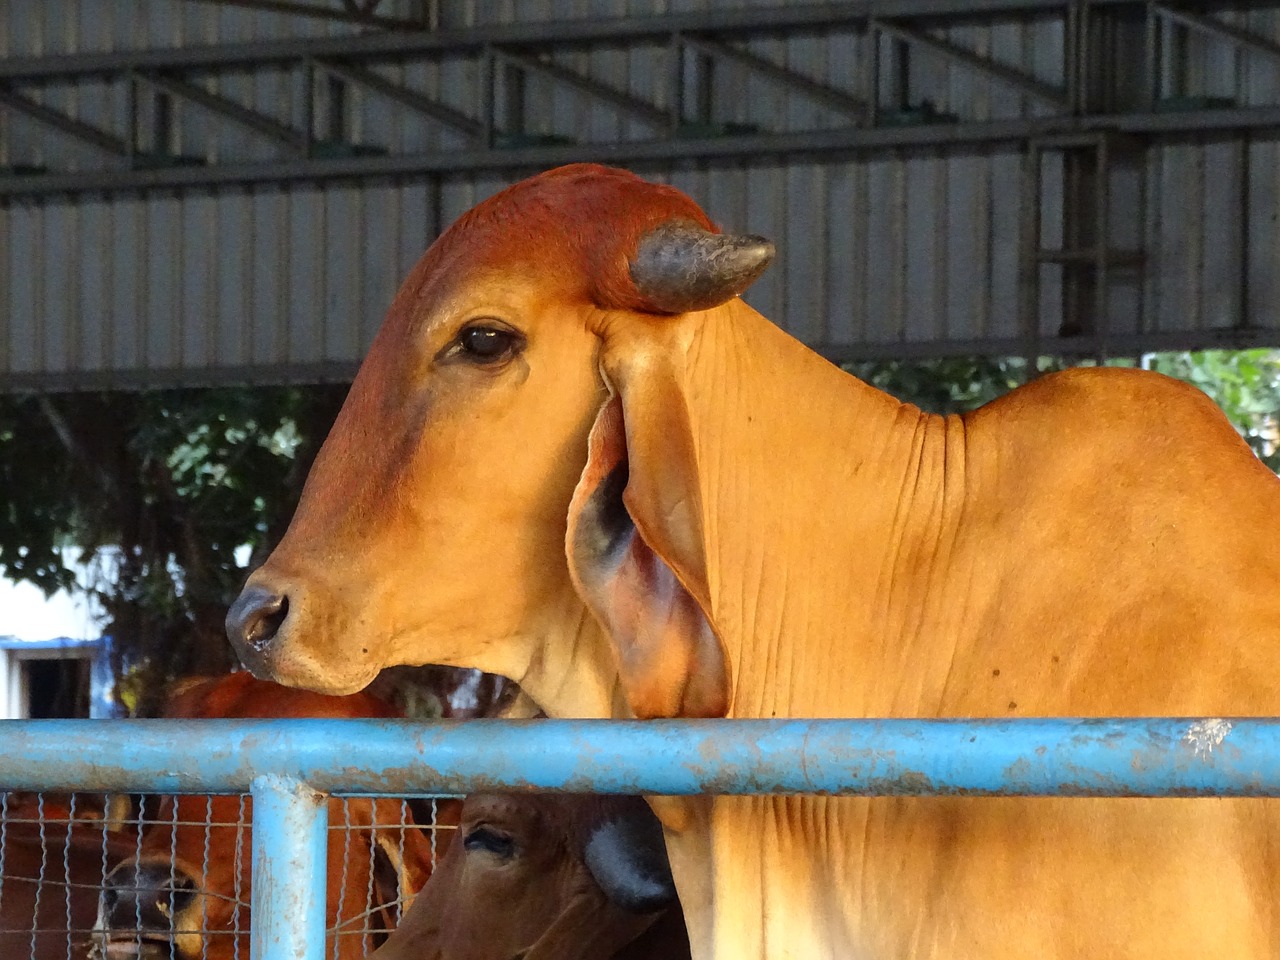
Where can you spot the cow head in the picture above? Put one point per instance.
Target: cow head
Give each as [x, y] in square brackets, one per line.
[545, 878]
[185, 891]
[516, 450]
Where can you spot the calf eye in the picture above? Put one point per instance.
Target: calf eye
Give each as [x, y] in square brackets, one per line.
[482, 343]
[489, 840]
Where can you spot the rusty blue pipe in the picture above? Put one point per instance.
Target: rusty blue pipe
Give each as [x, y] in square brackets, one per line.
[1025, 757]
[290, 822]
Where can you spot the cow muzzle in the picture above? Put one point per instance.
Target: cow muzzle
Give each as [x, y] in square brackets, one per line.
[142, 911]
[286, 630]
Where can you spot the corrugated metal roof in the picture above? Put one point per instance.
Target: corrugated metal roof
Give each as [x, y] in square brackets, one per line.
[900, 253]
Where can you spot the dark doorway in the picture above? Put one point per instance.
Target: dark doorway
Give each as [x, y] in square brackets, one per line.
[57, 689]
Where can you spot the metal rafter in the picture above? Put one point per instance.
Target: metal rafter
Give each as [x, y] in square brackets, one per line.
[1216, 28]
[1028, 84]
[351, 12]
[723, 24]
[625, 102]
[828, 96]
[413, 99]
[77, 129]
[224, 106]
[1197, 125]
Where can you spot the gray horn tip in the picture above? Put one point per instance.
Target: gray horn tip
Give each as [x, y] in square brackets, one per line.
[680, 267]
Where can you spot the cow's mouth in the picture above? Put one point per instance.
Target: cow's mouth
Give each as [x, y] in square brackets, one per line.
[133, 947]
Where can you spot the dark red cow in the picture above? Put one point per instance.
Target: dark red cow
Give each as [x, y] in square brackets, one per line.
[186, 893]
[52, 859]
[544, 877]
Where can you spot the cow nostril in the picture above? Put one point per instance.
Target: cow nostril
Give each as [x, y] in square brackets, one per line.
[255, 617]
[267, 623]
[182, 891]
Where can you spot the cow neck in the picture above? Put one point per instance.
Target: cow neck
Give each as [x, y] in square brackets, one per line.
[822, 499]
[572, 672]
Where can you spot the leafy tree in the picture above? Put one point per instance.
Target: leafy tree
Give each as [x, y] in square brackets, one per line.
[163, 490]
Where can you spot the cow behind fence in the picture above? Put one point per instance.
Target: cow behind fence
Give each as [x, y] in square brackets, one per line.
[172, 879]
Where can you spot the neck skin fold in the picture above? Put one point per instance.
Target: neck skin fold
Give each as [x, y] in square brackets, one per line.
[572, 672]
[867, 490]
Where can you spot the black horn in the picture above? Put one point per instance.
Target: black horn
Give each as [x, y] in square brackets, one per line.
[627, 856]
[679, 266]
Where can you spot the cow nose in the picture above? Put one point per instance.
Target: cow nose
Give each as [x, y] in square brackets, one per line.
[145, 897]
[255, 618]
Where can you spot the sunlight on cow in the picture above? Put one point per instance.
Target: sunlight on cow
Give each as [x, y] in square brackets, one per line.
[187, 888]
[573, 456]
[544, 877]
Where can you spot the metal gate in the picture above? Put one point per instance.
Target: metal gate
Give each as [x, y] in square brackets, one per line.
[290, 768]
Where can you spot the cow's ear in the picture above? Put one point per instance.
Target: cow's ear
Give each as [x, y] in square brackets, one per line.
[401, 865]
[635, 540]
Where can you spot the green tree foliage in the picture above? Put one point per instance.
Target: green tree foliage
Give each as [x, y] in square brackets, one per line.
[162, 489]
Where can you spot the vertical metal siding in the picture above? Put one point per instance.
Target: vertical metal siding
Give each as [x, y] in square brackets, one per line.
[894, 249]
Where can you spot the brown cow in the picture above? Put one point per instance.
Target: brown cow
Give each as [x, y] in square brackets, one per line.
[575, 457]
[189, 885]
[50, 876]
[545, 877]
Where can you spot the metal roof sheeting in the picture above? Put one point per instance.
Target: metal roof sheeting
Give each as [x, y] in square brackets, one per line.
[897, 253]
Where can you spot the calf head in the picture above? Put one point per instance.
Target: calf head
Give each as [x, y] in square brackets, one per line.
[545, 878]
[517, 449]
[185, 892]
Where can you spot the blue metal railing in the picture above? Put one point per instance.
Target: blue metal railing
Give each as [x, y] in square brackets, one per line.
[288, 766]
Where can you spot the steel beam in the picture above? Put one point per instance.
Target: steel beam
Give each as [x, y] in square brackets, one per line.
[351, 13]
[633, 106]
[1054, 96]
[711, 33]
[1216, 28]
[224, 106]
[1085, 345]
[419, 102]
[829, 97]
[76, 129]
[830, 144]
[1133, 757]
[719, 24]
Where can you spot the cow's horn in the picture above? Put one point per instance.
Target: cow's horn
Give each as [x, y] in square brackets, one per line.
[628, 859]
[679, 266]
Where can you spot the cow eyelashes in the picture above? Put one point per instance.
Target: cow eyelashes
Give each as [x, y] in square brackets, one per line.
[491, 841]
[485, 343]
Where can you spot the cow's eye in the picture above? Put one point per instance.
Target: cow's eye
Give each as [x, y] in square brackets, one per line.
[489, 840]
[482, 343]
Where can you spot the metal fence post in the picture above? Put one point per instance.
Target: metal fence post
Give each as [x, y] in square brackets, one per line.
[290, 827]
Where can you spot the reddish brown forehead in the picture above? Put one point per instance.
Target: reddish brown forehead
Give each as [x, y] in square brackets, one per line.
[579, 224]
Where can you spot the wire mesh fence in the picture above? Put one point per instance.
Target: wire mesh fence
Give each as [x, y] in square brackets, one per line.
[90, 876]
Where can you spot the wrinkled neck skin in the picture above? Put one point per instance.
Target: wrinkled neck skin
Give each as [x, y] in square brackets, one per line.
[572, 672]
[868, 485]
[866, 495]
[845, 440]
